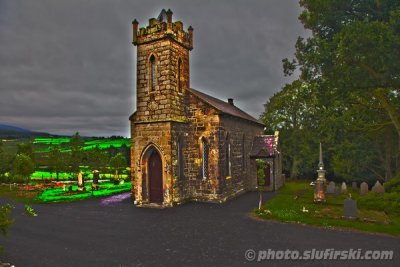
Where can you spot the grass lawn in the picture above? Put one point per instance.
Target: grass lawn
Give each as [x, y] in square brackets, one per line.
[288, 204]
[33, 193]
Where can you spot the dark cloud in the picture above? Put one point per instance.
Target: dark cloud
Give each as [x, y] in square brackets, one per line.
[68, 66]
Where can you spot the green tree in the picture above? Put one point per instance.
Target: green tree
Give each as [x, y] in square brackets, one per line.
[23, 167]
[354, 48]
[76, 155]
[98, 159]
[27, 149]
[295, 112]
[118, 163]
[5, 220]
[56, 160]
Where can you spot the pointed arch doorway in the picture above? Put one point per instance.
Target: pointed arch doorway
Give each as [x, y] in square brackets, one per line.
[155, 179]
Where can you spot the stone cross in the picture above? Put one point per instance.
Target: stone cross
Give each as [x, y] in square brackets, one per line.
[378, 188]
[363, 188]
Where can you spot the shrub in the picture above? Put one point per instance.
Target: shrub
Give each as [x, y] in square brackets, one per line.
[393, 185]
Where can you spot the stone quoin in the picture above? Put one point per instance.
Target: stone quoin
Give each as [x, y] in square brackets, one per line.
[187, 145]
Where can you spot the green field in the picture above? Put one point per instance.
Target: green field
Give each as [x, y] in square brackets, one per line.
[43, 144]
[57, 194]
[293, 197]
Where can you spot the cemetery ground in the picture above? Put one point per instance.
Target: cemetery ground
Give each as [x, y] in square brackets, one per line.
[97, 232]
[294, 203]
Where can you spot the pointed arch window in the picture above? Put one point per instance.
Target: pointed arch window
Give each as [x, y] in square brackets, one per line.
[180, 76]
[180, 157]
[205, 152]
[228, 156]
[153, 81]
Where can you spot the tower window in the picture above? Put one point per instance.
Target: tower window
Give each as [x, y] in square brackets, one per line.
[180, 75]
[180, 157]
[152, 73]
[205, 150]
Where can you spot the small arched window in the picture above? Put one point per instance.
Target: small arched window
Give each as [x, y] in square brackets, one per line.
[228, 156]
[205, 152]
[180, 157]
[180, 76]
[152, 73]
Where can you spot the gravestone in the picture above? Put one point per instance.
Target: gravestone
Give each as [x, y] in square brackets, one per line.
[80, 182]
[344, 188]
[378, 188]
[330, 189]
[363, 188]
[337, 191]
[350, 209]
[354, 186]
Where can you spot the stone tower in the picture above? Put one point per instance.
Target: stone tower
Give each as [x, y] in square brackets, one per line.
[162, 68]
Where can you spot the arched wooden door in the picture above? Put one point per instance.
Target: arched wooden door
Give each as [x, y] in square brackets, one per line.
[155, 178]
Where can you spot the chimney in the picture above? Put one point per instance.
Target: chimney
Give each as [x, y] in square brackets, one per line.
[230, 101]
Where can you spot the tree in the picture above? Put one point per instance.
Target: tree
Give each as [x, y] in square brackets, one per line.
[97, 159]
[354, 48]
[118, 162]
[295, 111]
[76, 155]
[23, 167]
[56, 160]
[27, 149]
[5, 220]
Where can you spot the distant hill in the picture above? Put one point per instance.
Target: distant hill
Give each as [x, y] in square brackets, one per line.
[14, 132]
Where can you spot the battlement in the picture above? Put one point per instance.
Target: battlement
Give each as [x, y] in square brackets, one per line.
[161, 28]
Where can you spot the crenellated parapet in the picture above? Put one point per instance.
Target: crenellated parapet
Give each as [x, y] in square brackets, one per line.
[162, 28]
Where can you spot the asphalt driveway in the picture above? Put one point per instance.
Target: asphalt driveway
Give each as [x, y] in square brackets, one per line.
[99, 233]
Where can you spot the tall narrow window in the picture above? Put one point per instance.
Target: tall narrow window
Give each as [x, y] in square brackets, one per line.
[205, 149]
[180, 76]
[180, 157]
[228, 156]
[152, 73]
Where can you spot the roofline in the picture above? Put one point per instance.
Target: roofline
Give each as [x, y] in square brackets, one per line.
[255, 121]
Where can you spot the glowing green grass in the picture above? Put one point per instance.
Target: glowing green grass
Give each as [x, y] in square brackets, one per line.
[59, 195]
[39, 175]
[43, 144]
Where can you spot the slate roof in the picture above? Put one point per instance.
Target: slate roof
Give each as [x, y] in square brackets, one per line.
[224, 107]
[264, 146]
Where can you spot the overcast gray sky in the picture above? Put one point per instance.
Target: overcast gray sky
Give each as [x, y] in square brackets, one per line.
[68, 66]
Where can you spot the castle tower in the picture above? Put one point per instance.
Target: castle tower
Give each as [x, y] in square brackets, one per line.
[162, 68]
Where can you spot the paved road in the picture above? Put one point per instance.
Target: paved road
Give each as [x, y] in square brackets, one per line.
[90, 233]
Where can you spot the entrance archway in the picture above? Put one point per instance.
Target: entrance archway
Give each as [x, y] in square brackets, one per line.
[155, 178]
[152, 175]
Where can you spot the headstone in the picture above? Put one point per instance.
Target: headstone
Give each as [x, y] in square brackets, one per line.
[363, 188]
[330, 189]
[378, 188]
[95, 184]
[350, 209]
[354, 186]
[344, 188]
[337, 191]
[80, 181]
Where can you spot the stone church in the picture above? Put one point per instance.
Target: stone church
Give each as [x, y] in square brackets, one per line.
[187, 145]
